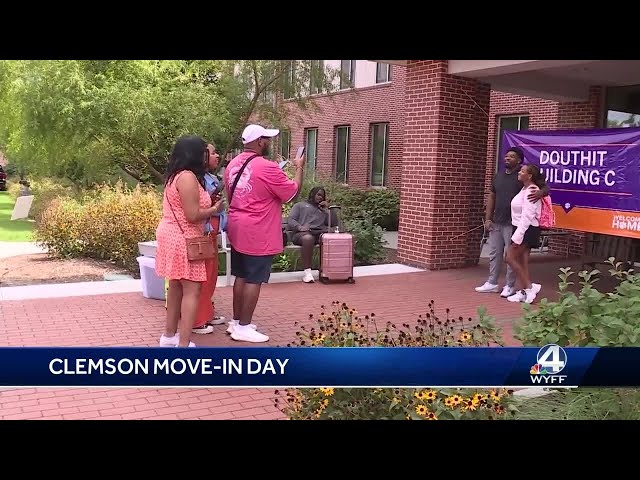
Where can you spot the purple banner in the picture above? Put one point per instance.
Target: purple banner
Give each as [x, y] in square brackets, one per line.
[594, 176]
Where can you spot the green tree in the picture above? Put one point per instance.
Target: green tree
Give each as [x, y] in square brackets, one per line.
[261, 89]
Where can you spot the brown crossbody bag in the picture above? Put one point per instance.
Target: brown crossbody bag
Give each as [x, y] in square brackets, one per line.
[198, 248]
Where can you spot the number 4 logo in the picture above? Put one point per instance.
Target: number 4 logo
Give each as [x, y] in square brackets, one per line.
[552, 358]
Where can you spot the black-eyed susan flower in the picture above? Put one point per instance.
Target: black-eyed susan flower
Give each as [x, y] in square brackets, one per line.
[499, 409]
[457, 399]
[469, 405]
[421, 410]
[464, 336]
[495, 396]
[430, 395]
[419, 395]
[431, 416]
[449, 402]
[325, 402]
[478, 398]
[327, 391]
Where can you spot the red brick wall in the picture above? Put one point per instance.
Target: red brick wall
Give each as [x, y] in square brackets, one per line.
[446, 127]
[359, 109]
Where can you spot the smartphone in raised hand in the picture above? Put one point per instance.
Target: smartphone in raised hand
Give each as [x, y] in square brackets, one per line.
[300, 152]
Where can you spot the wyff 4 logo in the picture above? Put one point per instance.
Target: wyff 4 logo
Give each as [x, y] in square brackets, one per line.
[552, 359]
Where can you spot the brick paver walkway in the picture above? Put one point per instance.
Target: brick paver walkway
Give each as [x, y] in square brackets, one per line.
[131, 320]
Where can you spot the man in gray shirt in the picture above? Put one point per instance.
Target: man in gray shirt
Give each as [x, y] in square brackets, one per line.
[505, 186]
[308, 220]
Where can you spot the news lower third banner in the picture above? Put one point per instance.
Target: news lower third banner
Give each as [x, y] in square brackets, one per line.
[593, 176]
[302, 367]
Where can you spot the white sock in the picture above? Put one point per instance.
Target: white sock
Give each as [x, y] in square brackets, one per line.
[307, 270]
[235, 321]
[242, 328]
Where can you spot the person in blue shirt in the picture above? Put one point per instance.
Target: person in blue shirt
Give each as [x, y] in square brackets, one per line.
[206, 317]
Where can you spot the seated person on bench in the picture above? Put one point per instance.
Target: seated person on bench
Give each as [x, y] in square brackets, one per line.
[308, 220]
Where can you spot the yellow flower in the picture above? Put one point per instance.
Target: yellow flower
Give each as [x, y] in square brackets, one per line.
[421, 410]
[327, 391]
[450, 402]
[319, 339]
[478, 397]
[469, 405]
[419, 395]
[325, 402]
[431, 395]
[431, 416]
[457, 399]
[499, 409]
[464, 336]
[495, 396]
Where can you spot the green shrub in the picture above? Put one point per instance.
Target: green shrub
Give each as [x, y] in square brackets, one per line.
[588, 318]
[382, 206]
[368, 240]
[343, 327]
[106, 224]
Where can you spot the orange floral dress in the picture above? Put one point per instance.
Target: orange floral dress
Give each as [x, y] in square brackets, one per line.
[171, 254]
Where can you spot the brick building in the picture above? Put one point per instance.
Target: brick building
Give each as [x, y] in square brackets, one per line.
[441, 121]
[355, 134]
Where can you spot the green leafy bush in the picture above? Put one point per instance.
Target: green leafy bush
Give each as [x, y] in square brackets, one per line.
[588, 318]
[106, 224]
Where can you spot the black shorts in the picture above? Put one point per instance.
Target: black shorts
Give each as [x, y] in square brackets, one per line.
[297, 237]
[251, 268]
[531, 236]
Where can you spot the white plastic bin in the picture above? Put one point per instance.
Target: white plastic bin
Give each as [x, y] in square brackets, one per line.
[152, 284]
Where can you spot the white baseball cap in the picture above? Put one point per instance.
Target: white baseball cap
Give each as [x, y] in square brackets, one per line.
[254, 132]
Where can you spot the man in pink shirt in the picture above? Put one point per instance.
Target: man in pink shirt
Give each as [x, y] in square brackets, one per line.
[254, 226]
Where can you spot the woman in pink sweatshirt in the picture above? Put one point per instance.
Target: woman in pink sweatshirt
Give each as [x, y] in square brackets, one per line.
[525, 218]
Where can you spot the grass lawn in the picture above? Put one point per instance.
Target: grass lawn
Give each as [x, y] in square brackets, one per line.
[12, 230]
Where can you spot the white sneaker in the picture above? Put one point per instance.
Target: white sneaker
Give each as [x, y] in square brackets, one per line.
[216, 321]
[530, 295]
[169, 341]
[487, 288]
[233, 323]
[203, 330]
[519, 296]
[507, 291]
[536, 287]
[308, 277]
[248, 334]
[191, 345]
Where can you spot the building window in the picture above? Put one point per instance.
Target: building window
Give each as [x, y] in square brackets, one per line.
[508, 123]
[383, 73]
[311, 150]
[316, 76]
[342, 154]
[347, 74]
[285, 143]
[289, 78]
[379, 152]
[622, 106]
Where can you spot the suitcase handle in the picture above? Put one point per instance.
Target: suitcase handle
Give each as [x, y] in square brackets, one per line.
[331, 209]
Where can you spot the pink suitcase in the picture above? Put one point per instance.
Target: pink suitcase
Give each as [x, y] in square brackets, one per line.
[336, 254]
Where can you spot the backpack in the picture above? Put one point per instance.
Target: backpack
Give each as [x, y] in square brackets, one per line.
[547, 215]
